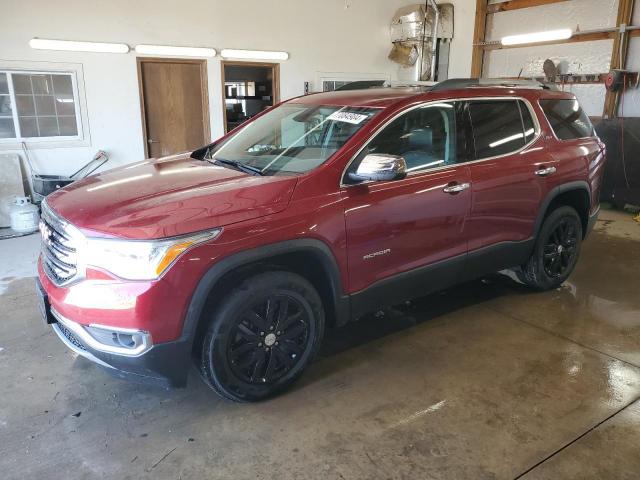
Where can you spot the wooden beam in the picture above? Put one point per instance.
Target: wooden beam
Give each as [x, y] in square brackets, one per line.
[619, 54]
[479, 32]
[577, 37]
[518, 4]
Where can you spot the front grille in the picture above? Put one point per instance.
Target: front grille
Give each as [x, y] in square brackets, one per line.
[70, 336]
[59, 254]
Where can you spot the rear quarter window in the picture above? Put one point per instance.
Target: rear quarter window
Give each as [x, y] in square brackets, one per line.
[567, 118]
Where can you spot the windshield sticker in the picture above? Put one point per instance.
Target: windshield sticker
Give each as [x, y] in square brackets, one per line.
[355, 118]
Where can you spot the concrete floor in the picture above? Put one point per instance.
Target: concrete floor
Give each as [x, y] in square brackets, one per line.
[484, 381]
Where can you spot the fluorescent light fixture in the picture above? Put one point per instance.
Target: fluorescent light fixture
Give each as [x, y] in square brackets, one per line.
[72, 46]
[254, 54]
[537, 37]
[179, 51]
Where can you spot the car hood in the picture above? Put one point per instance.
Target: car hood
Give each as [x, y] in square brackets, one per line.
[167, 197]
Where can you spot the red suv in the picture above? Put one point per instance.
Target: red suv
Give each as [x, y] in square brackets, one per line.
[320, 209]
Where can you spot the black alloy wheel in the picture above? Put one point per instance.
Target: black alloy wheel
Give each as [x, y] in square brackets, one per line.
[269, 339]
[261, 336]
[560, 248]
[556, 250]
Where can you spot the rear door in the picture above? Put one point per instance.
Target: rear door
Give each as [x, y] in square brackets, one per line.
[508, 183]
[398, 226]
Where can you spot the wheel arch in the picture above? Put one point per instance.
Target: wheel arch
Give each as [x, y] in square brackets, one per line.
[574, 194]
[311, 258]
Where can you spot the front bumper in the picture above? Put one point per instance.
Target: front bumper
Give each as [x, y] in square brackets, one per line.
[166, 364]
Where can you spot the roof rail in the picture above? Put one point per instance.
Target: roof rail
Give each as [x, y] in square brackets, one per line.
[411, 83]
[458, 83]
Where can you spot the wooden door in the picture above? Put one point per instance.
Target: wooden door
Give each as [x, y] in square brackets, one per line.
[175, 111]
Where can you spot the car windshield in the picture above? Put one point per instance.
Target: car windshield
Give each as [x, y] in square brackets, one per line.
[292, 138]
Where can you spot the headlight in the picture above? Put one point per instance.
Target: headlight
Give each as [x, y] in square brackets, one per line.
[140, 259]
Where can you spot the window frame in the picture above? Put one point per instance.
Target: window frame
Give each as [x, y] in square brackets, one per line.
[536, 125]
[463, 100]
[553, 132]
[10, 143]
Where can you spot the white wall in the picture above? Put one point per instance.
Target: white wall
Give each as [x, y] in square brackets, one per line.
[587, 57]
[350, 36]
[578, 58]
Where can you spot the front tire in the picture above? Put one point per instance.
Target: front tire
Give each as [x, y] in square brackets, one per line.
[262, 336]
[556, 251]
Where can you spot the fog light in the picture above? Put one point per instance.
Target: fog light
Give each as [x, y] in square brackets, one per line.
[121, 341]
[118, 341]
[128, 340]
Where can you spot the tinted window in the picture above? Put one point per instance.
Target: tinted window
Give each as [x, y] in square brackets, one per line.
[567, 119]
[425, 137]
[497, 127]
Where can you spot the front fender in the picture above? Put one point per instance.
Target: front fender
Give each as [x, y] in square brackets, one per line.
[238, 260]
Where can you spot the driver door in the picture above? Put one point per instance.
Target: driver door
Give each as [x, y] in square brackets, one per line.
[406, 237]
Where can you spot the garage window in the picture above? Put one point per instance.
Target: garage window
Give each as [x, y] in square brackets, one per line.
[38, 105]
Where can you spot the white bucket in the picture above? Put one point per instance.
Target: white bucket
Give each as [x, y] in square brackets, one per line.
[24, 215]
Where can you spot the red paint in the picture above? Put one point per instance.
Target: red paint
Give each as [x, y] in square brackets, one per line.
[168, 197]
[413, 217]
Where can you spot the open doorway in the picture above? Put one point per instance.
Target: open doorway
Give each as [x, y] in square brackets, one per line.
[247, 89]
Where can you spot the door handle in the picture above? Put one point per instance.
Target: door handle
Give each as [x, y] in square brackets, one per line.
[543, 172]
[456, 188]
[153, 141]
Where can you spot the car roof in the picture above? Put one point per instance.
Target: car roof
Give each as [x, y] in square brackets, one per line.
[387, 96]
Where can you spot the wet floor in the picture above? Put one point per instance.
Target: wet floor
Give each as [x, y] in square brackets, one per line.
[485, 381]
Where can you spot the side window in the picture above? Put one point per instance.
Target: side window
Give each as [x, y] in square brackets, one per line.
[497, 127]
[425, 137]
[567, 118]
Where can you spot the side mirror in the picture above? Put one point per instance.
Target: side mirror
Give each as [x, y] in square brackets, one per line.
[380, 168]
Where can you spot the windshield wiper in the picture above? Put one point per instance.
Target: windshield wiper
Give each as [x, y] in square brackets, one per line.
[237, 165]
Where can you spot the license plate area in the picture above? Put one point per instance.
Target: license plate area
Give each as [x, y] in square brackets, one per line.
[43, 305]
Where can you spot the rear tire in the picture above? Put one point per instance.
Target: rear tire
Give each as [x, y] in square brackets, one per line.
[556, 251]
[262, 336]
